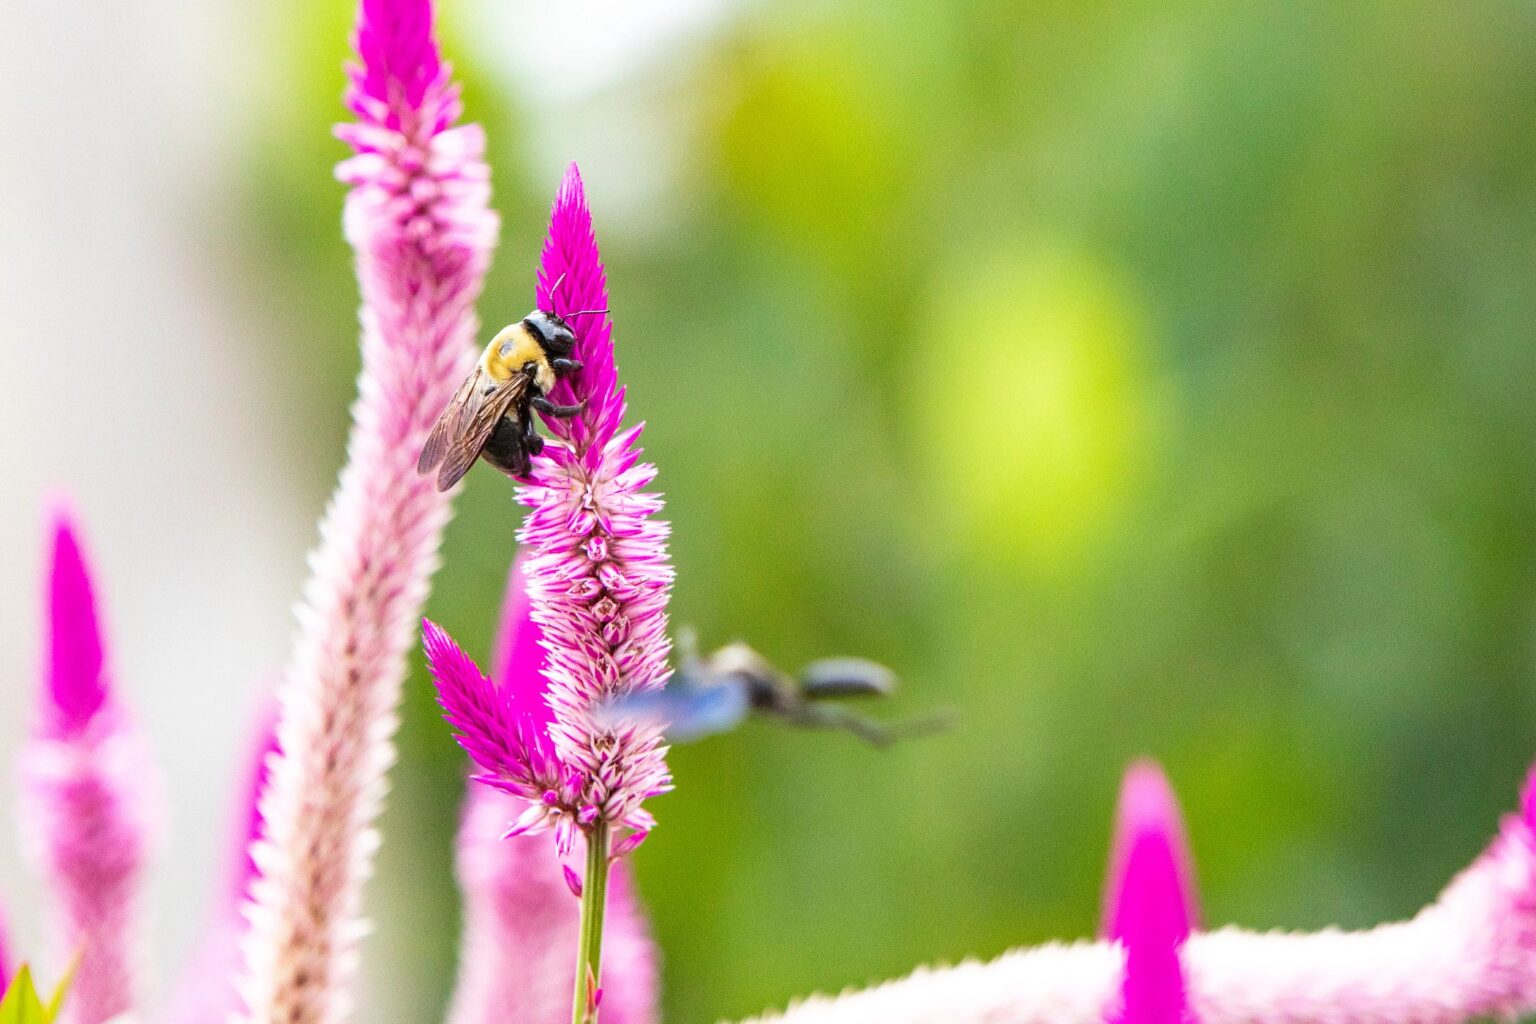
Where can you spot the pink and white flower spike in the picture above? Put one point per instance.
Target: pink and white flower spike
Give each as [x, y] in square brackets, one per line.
[418, 220]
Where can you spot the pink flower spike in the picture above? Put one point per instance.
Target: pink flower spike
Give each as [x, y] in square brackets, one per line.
[1149, 906]
[77, 683]
[206, 989]
[597, 568]
[417, 217]
[87, 788]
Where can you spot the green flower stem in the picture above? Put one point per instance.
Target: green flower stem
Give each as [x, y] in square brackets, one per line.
[589, 951]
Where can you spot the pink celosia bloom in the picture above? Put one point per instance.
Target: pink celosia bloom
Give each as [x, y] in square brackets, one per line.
[520, 920]
[598, 583]
[1469, 955]
[598, 575]
[86, 802]
[206, 991]
[418, 220]
[1149, 906]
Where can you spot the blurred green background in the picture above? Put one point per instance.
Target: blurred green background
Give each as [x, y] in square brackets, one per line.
[1134, 378]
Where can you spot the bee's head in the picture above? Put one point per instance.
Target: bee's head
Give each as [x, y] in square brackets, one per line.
[552, 332]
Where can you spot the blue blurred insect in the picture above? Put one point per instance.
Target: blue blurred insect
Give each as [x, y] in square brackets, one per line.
[718, 693]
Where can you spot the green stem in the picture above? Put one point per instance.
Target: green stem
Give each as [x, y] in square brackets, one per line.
[589, 952]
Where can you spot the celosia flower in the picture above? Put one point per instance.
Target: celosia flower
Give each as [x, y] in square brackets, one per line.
[1469, 955]
[86, 801]
[520, 922]
[206, 991]
[418, 220]
[1148, 907]
[598, 583]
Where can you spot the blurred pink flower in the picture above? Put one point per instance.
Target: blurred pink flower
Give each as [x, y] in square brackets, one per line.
[418, 219]
[7, 964]
[1149, 898]
[86, 795]
[1469, 955]
[206, 991]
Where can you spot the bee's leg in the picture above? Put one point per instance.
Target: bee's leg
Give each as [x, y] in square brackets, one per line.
[564, 367]
[549, 408]
[506, 450]
[880, 734]
[533, 444]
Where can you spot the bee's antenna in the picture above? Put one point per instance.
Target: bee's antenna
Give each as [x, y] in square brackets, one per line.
[554, 288]
[582, 312]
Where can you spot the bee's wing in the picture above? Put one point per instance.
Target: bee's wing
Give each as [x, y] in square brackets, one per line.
[436, 448]
[471, 425]
[684, 713]
[846, 677]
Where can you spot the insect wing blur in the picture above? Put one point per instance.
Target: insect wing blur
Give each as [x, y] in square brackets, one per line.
[686, 712]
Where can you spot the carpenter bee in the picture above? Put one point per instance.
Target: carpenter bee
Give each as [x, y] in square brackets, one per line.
[716, 694]
[491, 415]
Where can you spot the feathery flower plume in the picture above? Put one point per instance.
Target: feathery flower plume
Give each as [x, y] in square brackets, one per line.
[206, 990]
[418, 219]
[86, 807]
[598, 575]
[1469, 955]
[520, 922]
[1148, 907]
[598, 580]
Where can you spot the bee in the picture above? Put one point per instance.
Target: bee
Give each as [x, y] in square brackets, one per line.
[716, 694]
[491, 415]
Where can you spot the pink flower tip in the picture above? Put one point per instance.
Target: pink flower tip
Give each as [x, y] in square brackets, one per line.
[399, 60]
[1150, 906]
[77, 686]
[572, 280]
[572, 880]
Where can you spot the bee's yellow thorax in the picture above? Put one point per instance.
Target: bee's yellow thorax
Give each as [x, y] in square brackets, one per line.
[511, 350]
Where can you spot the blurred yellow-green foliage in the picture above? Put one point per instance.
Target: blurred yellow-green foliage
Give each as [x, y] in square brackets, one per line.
[1134, 378]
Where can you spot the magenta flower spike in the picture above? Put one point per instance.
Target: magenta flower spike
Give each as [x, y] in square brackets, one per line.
[206, 990]
[418, 219]
[1469, 955]
[598, 574]
[598, 581]
[1149, 904]
[86, 795]
[520, 920]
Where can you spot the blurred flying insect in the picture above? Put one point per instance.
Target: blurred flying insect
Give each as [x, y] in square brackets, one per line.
[716, 694]
[491, 415]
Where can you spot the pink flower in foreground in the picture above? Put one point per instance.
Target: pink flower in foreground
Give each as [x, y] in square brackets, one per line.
[520, 920]
[1469, 955]
[86, 803]
[598, 580]
[417, 217]
[206, 990]
[5, 956]
[1148, 905]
